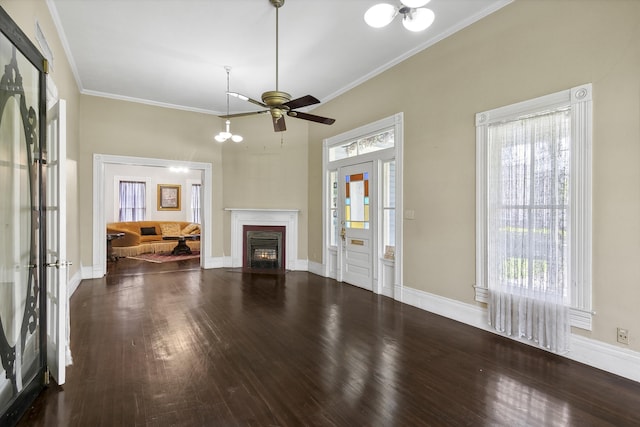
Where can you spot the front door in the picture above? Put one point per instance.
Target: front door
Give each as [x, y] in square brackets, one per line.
[57, 267]
[357, 203]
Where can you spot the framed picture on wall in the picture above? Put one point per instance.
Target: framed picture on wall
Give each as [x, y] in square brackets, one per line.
[168, 197]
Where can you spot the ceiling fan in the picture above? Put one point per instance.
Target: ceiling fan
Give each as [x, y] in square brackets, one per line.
[278, 103]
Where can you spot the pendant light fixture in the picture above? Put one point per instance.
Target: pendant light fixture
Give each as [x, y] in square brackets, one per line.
[226, 134]
[414, 16]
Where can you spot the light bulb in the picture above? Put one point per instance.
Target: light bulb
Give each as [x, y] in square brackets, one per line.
[418, 19]
[236, 138]
[238, 95]
[380, 15]
[414, 3]
[220, 138]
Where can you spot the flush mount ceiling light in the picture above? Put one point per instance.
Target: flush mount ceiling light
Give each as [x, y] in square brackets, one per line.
[414, 16]
[226, 134]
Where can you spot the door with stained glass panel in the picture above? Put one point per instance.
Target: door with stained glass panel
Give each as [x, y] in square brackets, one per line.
[357, 208]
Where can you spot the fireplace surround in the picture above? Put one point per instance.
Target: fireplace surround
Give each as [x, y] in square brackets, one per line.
[287, 218]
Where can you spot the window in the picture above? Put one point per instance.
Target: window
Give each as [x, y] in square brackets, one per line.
[534, 202]
[364, 145]
[195, 203]
[132, 201]
[389, 208]
[333, 208]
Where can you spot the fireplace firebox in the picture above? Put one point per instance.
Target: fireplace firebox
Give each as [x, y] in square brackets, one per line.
[264, 247]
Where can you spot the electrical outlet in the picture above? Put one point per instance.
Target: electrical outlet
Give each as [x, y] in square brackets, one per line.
[623, 336]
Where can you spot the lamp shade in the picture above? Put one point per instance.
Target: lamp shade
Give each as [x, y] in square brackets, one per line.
[414, 3]
[418, 19]
[380, 15]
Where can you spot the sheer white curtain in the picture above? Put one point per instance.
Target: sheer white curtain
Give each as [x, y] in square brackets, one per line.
[195, 203]
[528, 228]
[132, 201]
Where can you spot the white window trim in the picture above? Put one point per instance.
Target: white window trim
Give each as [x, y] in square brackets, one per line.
[580, 100]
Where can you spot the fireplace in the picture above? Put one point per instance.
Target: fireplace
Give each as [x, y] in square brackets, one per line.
[264, 247]
[286, 219]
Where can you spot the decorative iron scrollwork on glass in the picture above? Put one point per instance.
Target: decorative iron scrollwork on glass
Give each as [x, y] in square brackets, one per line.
[11, 87]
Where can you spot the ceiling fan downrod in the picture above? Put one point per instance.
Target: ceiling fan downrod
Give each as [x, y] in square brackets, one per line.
[277, 4]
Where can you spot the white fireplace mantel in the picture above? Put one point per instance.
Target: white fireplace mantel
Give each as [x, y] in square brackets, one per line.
[287, 218]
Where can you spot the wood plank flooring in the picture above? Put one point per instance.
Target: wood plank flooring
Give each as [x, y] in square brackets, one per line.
[225, 348]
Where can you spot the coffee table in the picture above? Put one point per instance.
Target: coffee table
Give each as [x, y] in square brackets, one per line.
[182, 248]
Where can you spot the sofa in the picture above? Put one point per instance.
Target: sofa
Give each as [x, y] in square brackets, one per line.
[147, 236]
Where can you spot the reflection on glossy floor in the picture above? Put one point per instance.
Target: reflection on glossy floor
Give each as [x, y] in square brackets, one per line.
[226, 348]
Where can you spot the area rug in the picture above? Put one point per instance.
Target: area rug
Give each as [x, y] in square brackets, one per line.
[159, 258]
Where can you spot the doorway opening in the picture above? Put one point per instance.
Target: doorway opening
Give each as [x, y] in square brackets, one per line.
[100, 161]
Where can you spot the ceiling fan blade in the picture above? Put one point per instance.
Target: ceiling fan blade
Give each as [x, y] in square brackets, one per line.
[246, 98]
[311, 117]
[279, 124]
[251, 113]
[303, 101]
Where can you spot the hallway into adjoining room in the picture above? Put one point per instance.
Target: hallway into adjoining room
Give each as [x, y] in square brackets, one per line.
[220, 347]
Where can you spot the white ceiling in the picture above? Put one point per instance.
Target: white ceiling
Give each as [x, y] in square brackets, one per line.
[173, 52]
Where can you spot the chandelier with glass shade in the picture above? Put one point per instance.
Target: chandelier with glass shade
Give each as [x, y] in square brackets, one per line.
[226, 134]
[415, 17]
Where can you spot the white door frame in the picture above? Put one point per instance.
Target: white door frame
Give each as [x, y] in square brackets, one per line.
[99, 220]
[329, 254]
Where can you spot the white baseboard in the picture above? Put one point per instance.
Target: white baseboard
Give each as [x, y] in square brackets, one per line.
[597, 354]
[89, 272]
[297, 265]
[300, 265]
[215, 262]
[317, 268]
[74, 282]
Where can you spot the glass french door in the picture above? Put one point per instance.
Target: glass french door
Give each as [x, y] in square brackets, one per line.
[22, 343]
[57, 271]
[357, 224]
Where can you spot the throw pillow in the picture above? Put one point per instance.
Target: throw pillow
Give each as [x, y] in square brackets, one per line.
[148, 231]
[189, 229]
[170, 229]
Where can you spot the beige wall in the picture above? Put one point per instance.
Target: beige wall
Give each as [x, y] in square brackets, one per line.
[267, 171]
[527, 49]
[25, 13]
[130, 129]
[262, 172]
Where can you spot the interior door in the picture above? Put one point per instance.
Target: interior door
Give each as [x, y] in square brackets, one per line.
[22, 342]
[357, 208]
[58, 353]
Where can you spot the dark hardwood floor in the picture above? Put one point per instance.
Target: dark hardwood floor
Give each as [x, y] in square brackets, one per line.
[226, 348]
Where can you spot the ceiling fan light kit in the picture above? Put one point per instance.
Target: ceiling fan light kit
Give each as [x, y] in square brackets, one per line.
[226, 134]
[414, 16]
[279, 104]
